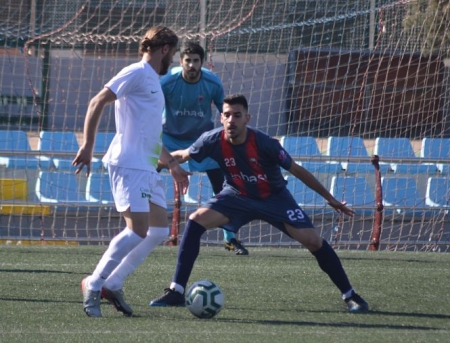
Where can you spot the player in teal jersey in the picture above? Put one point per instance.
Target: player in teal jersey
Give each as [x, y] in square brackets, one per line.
[189, 92]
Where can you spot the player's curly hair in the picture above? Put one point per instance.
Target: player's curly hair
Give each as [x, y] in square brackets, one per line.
[157, 37]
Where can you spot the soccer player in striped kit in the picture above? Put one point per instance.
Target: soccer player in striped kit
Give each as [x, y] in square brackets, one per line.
[254, 189]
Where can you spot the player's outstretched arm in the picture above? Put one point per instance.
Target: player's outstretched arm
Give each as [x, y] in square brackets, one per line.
[91, 121]
[309, 179]
[179, 174]
[181, 155]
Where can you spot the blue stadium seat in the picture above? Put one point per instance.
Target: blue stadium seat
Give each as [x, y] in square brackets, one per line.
[300, 145]
[62, 142]
[16, 140]
[58, 187]
[199, 190]
[351, 146]
[102, 142]
[65, 142]
[438, 192]
[391, 147]
[401, 195]
[303, 195]
[303, 147]
[98, 189]
[355, 190]
[438, 148]
[329, 167]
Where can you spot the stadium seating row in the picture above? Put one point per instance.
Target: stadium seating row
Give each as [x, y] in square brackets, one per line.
[56, 187]
[301, 147]
[400, 194]
[304, 147]
[63, 145]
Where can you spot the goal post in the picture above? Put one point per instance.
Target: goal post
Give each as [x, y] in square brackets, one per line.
[328, 69]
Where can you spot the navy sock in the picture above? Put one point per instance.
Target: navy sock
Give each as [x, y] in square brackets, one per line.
[330, 263]
[188, 252]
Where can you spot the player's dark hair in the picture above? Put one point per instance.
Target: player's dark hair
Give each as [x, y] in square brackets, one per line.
[190, 48]
[157, 37]
[236, 99]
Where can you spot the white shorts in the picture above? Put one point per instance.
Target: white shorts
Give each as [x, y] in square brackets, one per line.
[136, 189]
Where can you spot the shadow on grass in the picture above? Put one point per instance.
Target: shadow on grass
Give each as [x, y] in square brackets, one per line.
[328, 324]
[377, 258]
[43, 301]
[38, 271]
[277, 322]
[303, 254]
[372, 312]
[411, 315]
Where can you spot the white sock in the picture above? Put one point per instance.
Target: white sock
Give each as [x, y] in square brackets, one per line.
[176, 287]
[155, 236]
[118, 248]
[348, 294]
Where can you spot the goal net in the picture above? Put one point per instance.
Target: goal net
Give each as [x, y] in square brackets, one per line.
[336, 81]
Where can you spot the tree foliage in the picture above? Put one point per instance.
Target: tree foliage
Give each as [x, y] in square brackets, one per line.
[430, 19]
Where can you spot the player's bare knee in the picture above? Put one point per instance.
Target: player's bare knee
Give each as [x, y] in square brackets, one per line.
[196, 216]
[208, 218]
[309, 238]
[313, 244]
[201, 218]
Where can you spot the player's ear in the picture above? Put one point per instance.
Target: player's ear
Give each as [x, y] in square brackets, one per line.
[165, 49]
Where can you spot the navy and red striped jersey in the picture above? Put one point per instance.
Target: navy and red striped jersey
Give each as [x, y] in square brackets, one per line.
[252, 168]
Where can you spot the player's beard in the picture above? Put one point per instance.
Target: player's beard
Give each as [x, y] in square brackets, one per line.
[165, 64]
[192, 75]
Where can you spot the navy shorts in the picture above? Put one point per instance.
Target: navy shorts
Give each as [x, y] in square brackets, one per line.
[276, 210]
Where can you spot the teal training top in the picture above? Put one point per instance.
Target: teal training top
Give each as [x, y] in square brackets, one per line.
[188, 106]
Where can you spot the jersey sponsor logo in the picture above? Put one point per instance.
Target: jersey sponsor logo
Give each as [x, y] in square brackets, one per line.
[145, 193]
[188, 113]
[153, 92]
[250, 178]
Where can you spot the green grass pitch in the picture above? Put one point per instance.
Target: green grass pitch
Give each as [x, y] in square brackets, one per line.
[273, 295]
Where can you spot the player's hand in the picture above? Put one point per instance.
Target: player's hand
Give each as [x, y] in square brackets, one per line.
[180, 177]
[341, 207]
[83, 158]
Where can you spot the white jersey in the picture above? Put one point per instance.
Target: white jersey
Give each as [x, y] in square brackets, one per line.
[140, 102]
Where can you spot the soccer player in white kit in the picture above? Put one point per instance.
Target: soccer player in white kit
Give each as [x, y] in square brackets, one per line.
[132, 157]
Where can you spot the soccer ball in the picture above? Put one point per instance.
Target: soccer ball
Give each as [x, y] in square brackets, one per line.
[204, 299]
